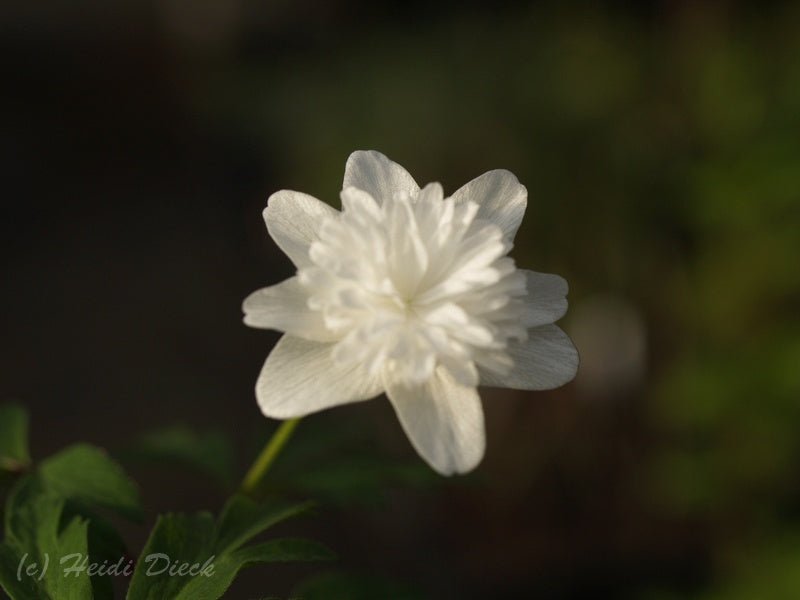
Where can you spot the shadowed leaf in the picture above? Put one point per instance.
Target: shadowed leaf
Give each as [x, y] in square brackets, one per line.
[87, 475]
[212, 553]
[207, 453]
[14, 454]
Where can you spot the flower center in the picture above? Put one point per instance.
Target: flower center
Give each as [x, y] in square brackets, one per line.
[415, 284]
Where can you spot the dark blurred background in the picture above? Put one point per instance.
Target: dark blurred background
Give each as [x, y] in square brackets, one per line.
[660, 144]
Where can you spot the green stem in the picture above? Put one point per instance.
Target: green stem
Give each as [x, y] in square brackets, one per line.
[268, 455]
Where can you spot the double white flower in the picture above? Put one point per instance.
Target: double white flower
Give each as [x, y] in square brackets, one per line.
[409, 293]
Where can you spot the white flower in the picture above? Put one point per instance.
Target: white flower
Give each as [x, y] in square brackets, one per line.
[413, 294]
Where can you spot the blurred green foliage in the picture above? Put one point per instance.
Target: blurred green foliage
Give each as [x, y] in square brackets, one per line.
[345, 466]
[209, 453]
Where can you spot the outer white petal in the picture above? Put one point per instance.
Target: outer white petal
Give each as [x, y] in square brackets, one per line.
[285, 307]
[501, 197]
[546, 301]
[443, 420]
[374, 173]
[293, 220]
[546, 361]
[300, 378]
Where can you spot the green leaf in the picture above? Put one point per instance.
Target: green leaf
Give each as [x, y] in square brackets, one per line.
[22, 588]
[243, 518]
[208, 453]
[71, 541]
[49, 517]
[103, 541]
[214, 550]
[184, 539]
[105, 544]
[38, 537]
[86, 474]
[14, 454]
[282, 550]
[228, 565]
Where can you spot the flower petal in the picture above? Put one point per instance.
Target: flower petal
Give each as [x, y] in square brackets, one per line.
[443, 420]
[501, 197]
[293, 220]
[284, 307]
[375, 174]
[547, 360]
[546, 301]
[300, 378]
